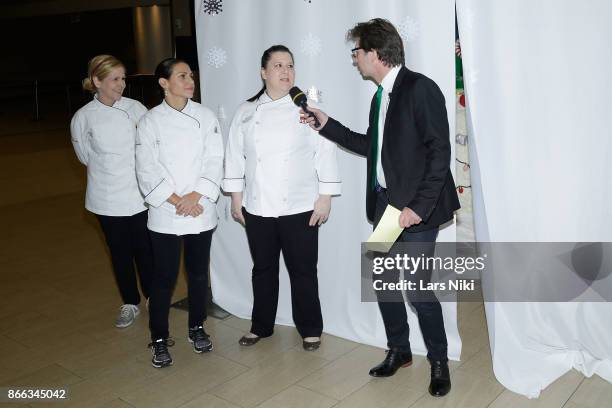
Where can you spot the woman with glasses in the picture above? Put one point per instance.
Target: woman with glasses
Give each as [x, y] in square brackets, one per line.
[179, 163]
[281, 175]
[103, 134]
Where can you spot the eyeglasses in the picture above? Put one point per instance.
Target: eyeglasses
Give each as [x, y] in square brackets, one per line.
[354, 51]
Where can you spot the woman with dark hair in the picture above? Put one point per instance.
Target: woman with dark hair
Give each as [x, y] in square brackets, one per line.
[281, 175]
[103, 134]
[179, 164]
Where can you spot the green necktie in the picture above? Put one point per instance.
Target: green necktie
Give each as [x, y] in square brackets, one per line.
[375, 137]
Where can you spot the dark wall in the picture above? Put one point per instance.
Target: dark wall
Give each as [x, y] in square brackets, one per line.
[55, 49]
[58, 47]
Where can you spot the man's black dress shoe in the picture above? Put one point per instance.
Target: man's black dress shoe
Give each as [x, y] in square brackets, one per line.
[392, 362]
[248, 341]
[440, 379]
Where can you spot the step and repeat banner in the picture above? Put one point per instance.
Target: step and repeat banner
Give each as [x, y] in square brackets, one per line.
[232, 35]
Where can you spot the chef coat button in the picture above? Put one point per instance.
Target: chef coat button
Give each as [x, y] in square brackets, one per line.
[285, 199]
[259, 160]
[257, 122]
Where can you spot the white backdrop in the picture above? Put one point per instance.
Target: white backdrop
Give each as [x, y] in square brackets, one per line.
[230, 45]
[537, 78]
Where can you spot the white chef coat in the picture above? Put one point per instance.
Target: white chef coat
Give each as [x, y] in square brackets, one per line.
[282, 165]
[103, 138]
[387, 84]
[179, 152]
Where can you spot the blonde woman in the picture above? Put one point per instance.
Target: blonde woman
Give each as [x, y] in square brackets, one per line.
[103, 135]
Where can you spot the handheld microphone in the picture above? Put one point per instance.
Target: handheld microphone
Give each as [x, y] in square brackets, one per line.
[298, 97]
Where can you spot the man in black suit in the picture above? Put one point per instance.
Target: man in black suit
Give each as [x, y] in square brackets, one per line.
[408, 159]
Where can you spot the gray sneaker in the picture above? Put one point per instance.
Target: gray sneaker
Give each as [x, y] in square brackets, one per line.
[127, 315]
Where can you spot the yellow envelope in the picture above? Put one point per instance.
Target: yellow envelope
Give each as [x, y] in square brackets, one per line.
[386, 232]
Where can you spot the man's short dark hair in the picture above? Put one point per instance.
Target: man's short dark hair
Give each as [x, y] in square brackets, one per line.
[380, 35]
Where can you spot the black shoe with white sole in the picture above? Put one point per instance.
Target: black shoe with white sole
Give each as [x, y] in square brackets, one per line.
[200, 340]
[161, 355]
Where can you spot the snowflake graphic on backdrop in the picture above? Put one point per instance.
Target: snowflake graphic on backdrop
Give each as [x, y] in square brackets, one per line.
[314, 94]
[217, 57]
[311, 45]
[409, 29]
[212, 7]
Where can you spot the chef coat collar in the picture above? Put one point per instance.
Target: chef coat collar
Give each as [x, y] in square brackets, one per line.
[265, 99]
[185, 112]
[116, 105]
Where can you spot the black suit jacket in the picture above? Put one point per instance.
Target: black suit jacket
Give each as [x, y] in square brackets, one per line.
[415, 153]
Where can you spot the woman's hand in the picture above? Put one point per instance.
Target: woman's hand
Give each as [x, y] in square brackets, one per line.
[237, 207]
[174, 199]
[322, 207]
[196, 211]
[188, 203]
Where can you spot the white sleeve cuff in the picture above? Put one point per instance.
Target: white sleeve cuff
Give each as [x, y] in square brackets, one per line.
[233, 185]
[330, 188]
[160, 193]
[208, 189]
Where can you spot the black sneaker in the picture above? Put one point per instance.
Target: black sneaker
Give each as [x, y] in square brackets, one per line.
[200, 340]
[161, 355]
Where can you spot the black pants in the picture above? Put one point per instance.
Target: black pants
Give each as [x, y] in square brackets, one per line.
[166, 254]
[427, 306]
[128, 240]
[267, 237]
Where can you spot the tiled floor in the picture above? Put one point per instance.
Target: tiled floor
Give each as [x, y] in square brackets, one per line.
[59, 301]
